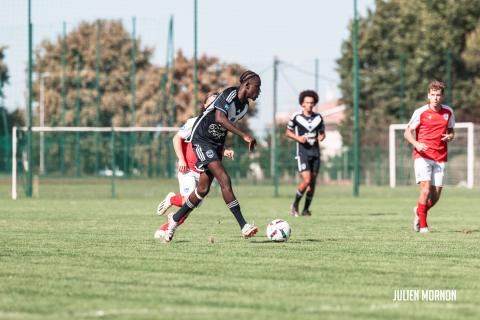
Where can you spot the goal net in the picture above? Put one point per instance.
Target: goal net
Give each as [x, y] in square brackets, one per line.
[460, 168]
[98, 153]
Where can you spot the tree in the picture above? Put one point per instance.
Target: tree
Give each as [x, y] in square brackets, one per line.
[3, 71]
[424, 32]
[162, 96]
[115, 64]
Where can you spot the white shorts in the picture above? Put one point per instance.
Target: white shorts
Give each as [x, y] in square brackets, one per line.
[429, 170]
[187, 182]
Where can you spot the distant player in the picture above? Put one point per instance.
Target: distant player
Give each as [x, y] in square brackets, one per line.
[187, 175]
[307, 129]
[433, 124]
[208, 139]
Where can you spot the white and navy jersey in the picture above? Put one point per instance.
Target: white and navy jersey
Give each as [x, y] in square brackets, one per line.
[309, 127]
[206, 130]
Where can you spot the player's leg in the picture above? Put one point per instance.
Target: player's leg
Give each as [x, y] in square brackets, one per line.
[314, 165]
[219, 172]
[204, 182]
[422, 204]
[187, 183]
[438, 174]
[423, 175]
[302, 186]
[435, 193]
[172, 198]
[309, 195]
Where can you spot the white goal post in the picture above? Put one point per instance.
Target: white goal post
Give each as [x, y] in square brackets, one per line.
[460, 125]
[73, 129]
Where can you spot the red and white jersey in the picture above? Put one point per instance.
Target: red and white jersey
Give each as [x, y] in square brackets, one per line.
[429, 126]
[190, 156]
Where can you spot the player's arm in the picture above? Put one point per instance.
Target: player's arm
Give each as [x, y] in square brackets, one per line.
[447, 137]
[450, 131]
[177, 146]
[321, 136]
[321, 131]
[408, 135]
[221, 119]
[291, 135]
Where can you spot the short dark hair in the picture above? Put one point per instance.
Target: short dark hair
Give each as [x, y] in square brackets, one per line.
[247, 75]
[308, 93]
[436, 85]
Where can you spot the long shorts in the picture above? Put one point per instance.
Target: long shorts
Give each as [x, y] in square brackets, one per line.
[308, 163]
[187, 182]
[429, 170]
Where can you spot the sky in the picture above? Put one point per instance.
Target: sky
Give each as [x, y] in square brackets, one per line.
[249, 32]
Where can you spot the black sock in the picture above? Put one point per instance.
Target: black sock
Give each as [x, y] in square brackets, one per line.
[234, 206]
[187, 207]
[308, 200]
[298, 197]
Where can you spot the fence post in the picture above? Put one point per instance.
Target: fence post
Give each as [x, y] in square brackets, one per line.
[112, 141]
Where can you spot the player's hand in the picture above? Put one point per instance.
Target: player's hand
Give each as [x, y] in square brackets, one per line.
[229, 153]
[251, 142]
[302, 139]
[321, 137]
[447, 137]
[421, 147]
[182, 166]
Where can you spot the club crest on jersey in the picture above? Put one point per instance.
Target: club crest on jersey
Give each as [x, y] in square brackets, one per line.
[209, 153]
[217, 131]
[227, 107]
[445, 116]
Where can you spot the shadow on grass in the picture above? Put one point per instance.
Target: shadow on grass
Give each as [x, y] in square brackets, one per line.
[383, 214]
[293, 241]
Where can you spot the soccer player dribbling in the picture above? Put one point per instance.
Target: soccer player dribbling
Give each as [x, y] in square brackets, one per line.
[188, 175]
[433, 125]
[208, 139]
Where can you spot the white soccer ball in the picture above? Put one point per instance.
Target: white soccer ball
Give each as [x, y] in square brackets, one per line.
[278, 230]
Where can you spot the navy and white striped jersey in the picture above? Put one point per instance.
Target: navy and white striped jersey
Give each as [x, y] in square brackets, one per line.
[206, 130]
[310, 127]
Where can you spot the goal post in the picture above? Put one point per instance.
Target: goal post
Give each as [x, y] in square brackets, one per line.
[470, 163]
[63, 130]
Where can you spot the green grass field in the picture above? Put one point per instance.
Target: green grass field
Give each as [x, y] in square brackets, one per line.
[76, 254]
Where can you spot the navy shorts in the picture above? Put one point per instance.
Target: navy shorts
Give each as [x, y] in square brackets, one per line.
[206, 154]
[308, 163]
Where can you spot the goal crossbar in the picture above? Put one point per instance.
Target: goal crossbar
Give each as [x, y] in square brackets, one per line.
[73, 129]
[460, 125]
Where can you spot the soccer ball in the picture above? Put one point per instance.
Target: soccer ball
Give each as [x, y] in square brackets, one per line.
[278, 230]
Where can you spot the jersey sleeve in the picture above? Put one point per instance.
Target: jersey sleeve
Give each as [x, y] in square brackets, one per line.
[321, 127]
[225, 99]
[291, 123]
[451, 121]
[415, 120]
[185, 130]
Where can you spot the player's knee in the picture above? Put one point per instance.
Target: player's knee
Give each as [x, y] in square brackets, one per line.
[203, 191]
[425, 191]
[225, 183]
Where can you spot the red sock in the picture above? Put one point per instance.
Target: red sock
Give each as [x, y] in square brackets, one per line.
[164, 227]
[177, 200]
[422, 215]
[182, 220]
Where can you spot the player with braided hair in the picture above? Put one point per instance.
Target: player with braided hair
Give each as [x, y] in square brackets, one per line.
[208, 139]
